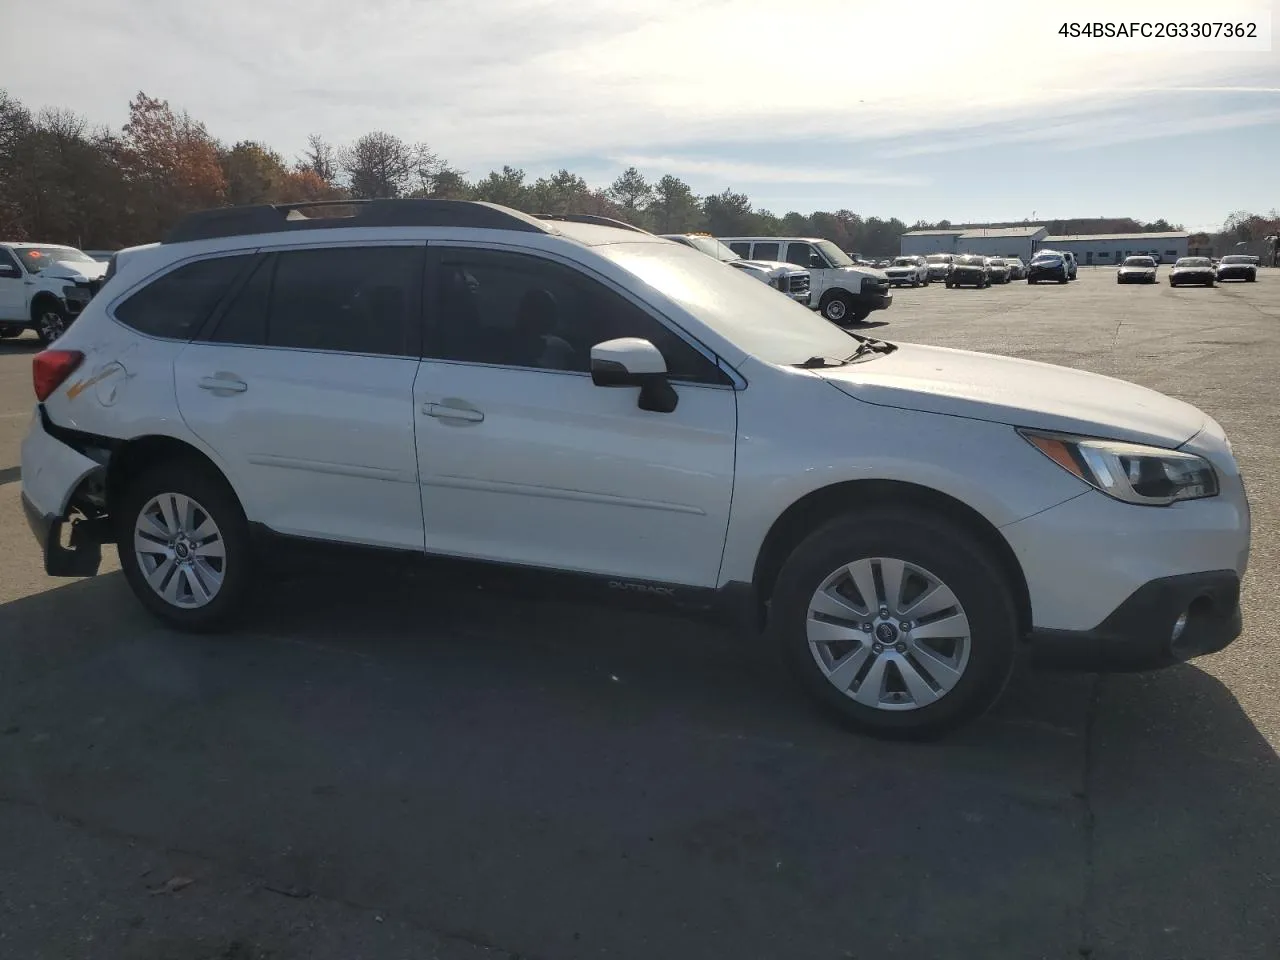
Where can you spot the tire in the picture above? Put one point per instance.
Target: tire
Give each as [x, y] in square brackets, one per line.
[1063, 280]
[934, 552]
[179, 482]
[51, 320]
[1032, 281]
[949, 285]
[836, 307]
[1253, 279]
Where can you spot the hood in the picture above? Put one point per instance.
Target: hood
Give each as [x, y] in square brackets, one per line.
[862, 270]
[74, 270]
[1021, 393]
[771, 265]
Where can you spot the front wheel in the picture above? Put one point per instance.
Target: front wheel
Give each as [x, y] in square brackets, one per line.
[899, 623]
[51, 321]
[184, 545]
[837, 307]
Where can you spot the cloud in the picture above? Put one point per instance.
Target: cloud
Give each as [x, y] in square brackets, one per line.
[735, 172]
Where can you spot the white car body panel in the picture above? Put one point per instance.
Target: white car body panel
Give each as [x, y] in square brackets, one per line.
[561, 473]
[51, 470]
[320, 444]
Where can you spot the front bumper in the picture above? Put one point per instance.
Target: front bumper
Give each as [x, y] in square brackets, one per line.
[1240, 273]
[1137, 277]
[898, 279]
[877, 299]
[1139, 634]
[1059, 274]
[1192, 277]
[962, 277]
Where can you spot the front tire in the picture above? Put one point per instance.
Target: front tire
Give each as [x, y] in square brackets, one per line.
[184, 545]
[896, 621]
[837, 307]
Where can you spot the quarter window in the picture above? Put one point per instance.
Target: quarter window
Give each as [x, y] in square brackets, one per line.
[765, 251]
[175, 305]
[741, 249]
[516, 310]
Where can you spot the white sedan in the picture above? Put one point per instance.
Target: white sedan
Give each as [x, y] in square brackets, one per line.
[908, 270]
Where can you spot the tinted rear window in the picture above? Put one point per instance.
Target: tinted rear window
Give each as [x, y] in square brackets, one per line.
[175, 305]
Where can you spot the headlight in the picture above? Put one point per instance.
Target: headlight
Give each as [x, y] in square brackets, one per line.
[1132, 472]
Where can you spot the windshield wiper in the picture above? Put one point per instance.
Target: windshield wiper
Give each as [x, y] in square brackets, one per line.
[815, 363]
[870, 345]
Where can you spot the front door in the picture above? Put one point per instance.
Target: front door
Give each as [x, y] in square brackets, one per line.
[13, 297]
[304, 387]
[523, 460]
[802, 255]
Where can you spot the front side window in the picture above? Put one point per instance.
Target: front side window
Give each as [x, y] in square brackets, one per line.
[512, 309]
[178, 303]
[341, 299]
[6, 260]
[799, 254]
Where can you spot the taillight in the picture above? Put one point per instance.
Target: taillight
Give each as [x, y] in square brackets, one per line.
[50, 369]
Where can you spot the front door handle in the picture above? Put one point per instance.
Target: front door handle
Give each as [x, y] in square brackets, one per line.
[223, 384]
[442, 412]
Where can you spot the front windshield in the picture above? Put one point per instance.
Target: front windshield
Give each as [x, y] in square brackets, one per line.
[1193, 262]
[904, 262]
[1139, 262]
[837, 256]
[1047, 258]
[713, 247]
[36, 259]
[733, 304]
[969, 261]
[997, 262]
[1237, 259]
[939, 258]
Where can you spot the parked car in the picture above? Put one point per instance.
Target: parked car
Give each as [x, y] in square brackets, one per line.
[1137, 270]
[785, 277]
[1048, 265]
[1237, 267]
[602, 404]
[1017, 269]
[912, 271]
[43, 287]
[842, 291]
[1192, 272]
[1073, 268]
[968, 270]
[939, 265]
[997, 270]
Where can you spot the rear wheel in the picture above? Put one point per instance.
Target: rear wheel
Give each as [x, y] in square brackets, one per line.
[184, 545]
[897, 622]
[51, 320]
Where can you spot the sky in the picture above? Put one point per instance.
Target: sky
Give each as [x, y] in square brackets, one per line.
[957, 109]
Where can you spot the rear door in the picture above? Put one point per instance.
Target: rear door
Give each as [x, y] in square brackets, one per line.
[304, 385]
[524, 460]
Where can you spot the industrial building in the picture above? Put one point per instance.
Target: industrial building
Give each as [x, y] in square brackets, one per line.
[985, 241]
[1104, 249]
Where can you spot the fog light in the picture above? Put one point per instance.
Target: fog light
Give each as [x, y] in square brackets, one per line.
[1179, 625]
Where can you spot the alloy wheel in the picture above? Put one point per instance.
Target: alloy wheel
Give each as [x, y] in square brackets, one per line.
[888, 634]
[180, 550]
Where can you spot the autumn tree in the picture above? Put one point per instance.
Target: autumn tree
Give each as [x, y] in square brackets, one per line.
[319, 158]
[170, 164]
[254, 173]
[674, 208]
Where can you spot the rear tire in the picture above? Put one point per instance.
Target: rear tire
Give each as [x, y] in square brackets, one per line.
[929, 680]
[184, 545]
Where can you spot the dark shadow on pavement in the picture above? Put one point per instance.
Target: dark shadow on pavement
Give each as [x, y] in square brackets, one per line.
[568, 781]
[27, 343]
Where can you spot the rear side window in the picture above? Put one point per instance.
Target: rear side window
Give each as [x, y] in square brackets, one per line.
[766, 251]
[741, 249]
[344, 299]
[175, 305]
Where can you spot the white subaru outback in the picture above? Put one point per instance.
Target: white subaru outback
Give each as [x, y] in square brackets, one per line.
[457, 379]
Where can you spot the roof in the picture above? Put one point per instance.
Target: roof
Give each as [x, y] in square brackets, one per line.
[977, 232]
[31, 243]
[933, 233]
[1172, 235]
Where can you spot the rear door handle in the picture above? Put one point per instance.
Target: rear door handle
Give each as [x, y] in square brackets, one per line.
[442, 412]
[221, 384]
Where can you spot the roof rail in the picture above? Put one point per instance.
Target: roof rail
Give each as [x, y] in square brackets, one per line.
[590, 218]
[287, 217]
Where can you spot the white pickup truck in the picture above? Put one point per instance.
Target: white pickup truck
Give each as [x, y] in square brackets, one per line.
[43, 287]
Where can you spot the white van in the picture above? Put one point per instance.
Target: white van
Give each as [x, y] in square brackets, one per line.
[842, 291]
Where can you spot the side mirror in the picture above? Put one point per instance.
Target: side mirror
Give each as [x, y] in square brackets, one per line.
[816, 262]
[633, 362]
[8, 270]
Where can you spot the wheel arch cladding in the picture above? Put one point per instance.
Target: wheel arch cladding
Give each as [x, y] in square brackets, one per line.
[142, 453]
[819, 506]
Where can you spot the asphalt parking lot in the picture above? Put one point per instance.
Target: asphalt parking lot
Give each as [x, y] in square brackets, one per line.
[396, 767]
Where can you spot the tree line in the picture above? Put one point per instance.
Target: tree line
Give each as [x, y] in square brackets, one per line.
[63, 181]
